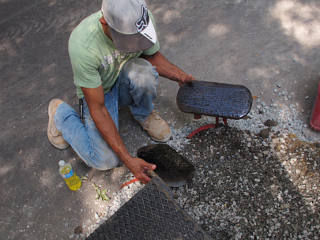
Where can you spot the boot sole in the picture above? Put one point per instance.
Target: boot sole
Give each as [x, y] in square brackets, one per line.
[164, 140]
[50, 137]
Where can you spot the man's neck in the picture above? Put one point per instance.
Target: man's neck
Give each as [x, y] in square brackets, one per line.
[105, 27]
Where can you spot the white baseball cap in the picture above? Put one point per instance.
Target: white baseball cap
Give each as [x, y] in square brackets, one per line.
[131, 27]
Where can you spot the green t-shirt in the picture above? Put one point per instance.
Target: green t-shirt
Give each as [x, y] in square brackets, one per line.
[93, 56]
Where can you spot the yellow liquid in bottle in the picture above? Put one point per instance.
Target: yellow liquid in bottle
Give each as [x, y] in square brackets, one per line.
[70, 177]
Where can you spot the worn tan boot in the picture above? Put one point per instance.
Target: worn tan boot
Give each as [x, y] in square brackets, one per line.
[54, 136]
[157, 128]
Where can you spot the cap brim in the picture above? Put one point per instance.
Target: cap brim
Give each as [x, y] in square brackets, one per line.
[135, 42]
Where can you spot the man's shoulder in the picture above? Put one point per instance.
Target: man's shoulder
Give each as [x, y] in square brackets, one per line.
[86, 30]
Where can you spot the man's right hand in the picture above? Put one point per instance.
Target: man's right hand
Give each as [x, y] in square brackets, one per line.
[139, 169]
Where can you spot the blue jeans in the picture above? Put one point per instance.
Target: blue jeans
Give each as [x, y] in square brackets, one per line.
[135, 87]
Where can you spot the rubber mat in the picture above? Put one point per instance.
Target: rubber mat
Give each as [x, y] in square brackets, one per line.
[152, 214]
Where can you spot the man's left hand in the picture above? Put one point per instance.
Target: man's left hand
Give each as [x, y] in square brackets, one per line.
[185, 78]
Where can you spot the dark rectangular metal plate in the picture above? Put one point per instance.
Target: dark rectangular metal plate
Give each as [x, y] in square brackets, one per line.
[151, 214]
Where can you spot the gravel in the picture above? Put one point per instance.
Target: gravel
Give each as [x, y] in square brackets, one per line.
[249, 187]
[259, 178]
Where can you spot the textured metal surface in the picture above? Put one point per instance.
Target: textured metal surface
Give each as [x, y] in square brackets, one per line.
[150, 214]
[173, 168]
[215, 99]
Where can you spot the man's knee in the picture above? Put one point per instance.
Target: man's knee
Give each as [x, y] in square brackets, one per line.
[102, 161]
[141, 74]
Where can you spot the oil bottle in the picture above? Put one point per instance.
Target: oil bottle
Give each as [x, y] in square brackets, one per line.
[69, 176]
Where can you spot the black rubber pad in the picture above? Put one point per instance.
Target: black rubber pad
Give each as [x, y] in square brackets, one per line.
[152, 214]
[215, 99]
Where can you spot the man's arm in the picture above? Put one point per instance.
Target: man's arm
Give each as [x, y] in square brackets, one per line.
[166, 69]
[109, 132]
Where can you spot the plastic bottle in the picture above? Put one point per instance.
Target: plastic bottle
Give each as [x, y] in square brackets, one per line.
[69, 176]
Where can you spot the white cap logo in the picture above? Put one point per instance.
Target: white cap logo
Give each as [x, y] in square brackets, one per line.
[142, 23]
[145, 27]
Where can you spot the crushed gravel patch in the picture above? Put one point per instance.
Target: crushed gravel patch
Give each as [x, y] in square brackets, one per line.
[246, 188]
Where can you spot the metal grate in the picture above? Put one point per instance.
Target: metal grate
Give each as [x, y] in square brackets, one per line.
[150, 214]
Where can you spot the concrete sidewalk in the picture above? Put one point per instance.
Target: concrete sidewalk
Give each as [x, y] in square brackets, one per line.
[264, 45]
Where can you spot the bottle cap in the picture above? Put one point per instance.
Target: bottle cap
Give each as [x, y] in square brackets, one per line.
[62, 163]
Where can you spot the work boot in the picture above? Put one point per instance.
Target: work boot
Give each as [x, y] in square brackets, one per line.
[54, 136]
[157, 128]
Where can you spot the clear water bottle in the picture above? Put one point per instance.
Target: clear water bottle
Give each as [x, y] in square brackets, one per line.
[69, 176]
